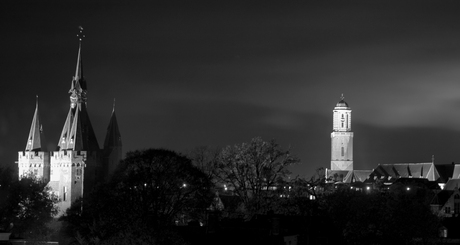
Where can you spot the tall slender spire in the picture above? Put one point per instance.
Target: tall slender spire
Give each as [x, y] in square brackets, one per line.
[34, 140]
[78, 85]
[77, 133]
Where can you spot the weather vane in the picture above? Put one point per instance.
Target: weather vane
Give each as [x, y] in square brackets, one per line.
[80, 35]
[342, 97]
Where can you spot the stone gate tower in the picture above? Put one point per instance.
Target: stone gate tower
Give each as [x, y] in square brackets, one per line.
[341, 137]
[78, 163]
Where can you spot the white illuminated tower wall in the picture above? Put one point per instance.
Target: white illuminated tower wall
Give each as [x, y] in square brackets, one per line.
[342, 138]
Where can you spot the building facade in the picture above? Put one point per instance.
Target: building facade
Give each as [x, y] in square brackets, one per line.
[78, 163]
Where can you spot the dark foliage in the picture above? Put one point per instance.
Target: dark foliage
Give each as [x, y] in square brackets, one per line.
[151, 191]
[26, 206]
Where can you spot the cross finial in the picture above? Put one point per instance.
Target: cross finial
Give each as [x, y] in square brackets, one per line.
[113, 108]
[80, 35]
[342, 97]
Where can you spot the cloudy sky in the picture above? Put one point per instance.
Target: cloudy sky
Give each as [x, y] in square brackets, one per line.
[216, 73]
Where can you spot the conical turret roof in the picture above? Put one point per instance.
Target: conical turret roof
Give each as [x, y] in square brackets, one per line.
[34, 141]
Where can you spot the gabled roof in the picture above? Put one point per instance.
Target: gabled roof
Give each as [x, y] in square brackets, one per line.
[452, 184]
[405, 170]
[34, 141]
[456, 174]
[445, 172]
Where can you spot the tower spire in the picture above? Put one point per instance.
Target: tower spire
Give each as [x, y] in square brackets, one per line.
[78, 133]
[78, 85]
[113, 136]
[112, 144]
[34, 140]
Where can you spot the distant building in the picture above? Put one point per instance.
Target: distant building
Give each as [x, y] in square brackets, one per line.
[78, 163]
[426, 170]
[342, 148]
[341, 137]
[342, 170]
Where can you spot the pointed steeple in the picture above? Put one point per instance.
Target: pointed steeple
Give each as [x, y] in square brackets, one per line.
[112, 145]
[113, 136]
[78, 85]
[34, 142]
[77, 133]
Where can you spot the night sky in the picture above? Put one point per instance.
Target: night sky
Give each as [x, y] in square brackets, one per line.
[214, 73]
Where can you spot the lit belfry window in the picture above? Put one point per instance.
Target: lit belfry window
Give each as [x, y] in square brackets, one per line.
[63, 140]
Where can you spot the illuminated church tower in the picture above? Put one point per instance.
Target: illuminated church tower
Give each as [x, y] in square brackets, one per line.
[342, 138]
[78, 163]
[78, 156]
[35, 159]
